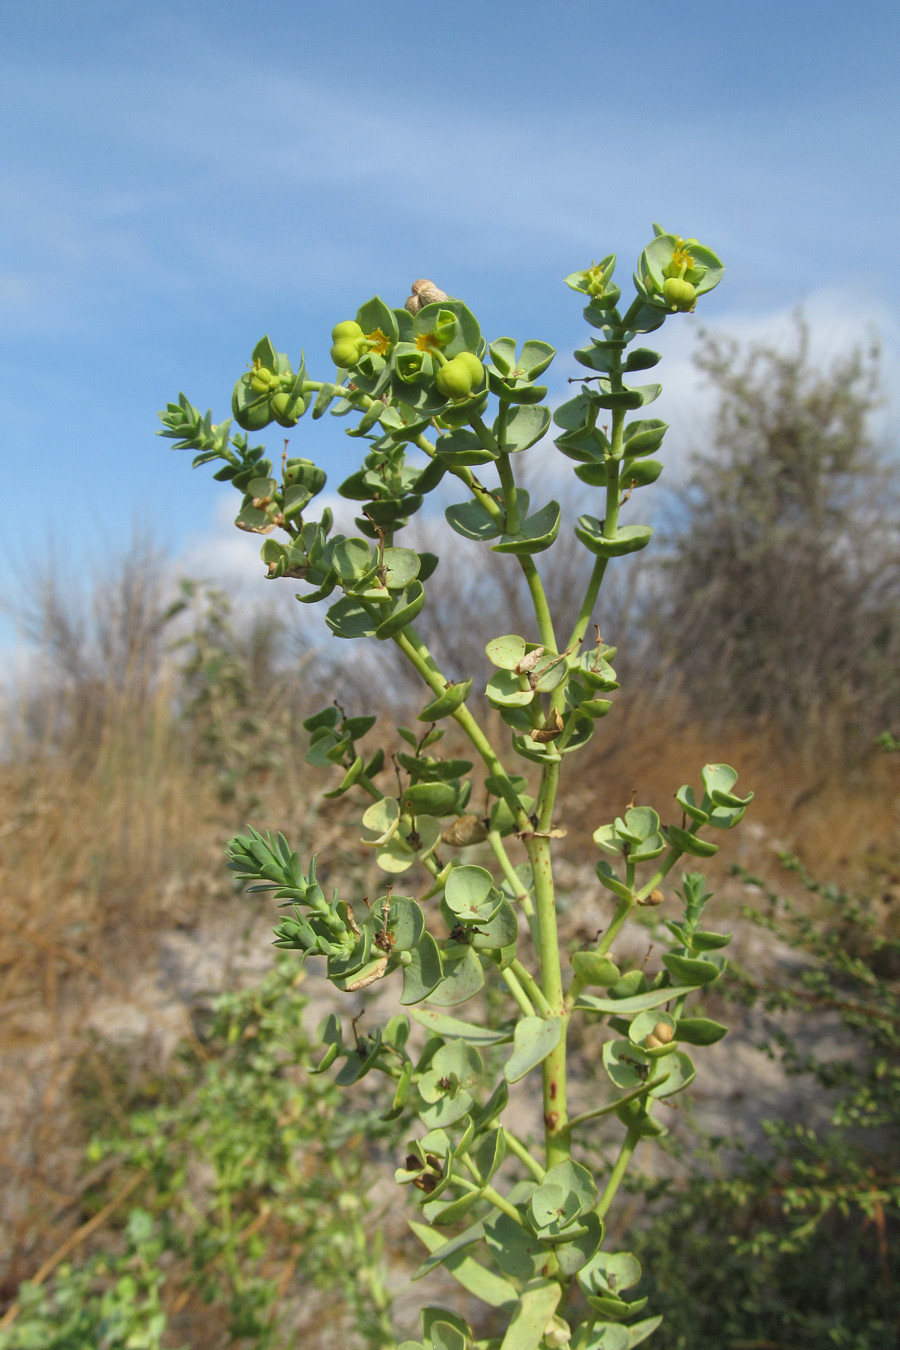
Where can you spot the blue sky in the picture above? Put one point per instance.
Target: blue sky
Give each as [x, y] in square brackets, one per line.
[179, 178]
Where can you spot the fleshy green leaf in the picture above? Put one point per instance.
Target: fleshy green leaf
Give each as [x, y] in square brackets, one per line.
[535, 534]
[534, 1039]
[472, 521]
[533, 1311]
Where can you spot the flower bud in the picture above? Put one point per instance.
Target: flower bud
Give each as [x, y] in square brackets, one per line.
[679, 294]
[663, 1033]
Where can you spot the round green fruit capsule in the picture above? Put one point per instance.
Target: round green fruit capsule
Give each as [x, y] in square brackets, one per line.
[345, 353]
[679, 294]
[473, 365]
[348, 329]
[251, 416]
[287, 411]
[454, 380]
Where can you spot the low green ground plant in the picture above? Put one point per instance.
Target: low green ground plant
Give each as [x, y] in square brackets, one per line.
[794, 1242]
[253, 1200]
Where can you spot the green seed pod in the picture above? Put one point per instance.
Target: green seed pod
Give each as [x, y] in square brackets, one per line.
[454, 380]
[679, 294]
[345, 353]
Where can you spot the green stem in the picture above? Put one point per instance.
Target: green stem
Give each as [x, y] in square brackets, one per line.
[539, 600]
[553, 1068]
[485, 435]
[635, 1093]
[532, 988]
[661, 872]
[416, 652]
[489, 1194]
[629, 1144]
[523, 1002]
[611, 519]
[465, 476]
[501, 1203]
[516, 1147]
[623, 910]
[514, 881]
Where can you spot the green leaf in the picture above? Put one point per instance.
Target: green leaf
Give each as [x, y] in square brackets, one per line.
[534, 1039]
[680, 1070]
[439, 1255]
[498, 932]
[627, 1066]
[442, 1024]
[572, 1254]
[704, 941]
[573, 1179]
[491, 1288]
[503, 354]
[685, 799]
[423, 972]
[515, 1249]
[635, 473]
[699, 1030]
[605, 1336]
[719, 779]
[404, 615]
[641, 358]
[471, 894]
[507, 651]
[535, 534]
[690, 843]
[430, 799]
[641, 1330]
[689, 971]
[349, 778]
[352, 560]
[535, 1308]
[643, 437]
[593, 968]
[535, 358]
[654, 998]
[610, 1271]
[348, 619]
[453, 697]
[401, 566]
[609, 879]
[525, 425]
[463, 977]
[472, 521]
[627, 539]
[505, 690]
[489, 1153]
[461, 447]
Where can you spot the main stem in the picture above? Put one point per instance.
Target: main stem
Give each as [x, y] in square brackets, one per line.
[553, 1068]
